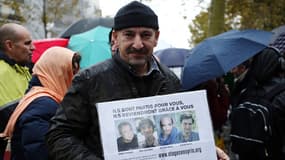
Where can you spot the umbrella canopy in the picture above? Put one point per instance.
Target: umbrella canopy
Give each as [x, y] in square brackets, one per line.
[93, 45]
[86, 24]
[217, 55]
[43, 44]
[173, 57]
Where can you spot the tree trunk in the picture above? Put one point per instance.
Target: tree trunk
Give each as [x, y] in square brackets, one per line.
[216, 17]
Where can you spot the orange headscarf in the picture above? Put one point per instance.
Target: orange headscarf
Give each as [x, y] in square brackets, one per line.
[54, 70]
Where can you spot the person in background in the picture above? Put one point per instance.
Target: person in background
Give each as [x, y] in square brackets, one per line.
[132, 72]
[279, 101]
[128, 139]
[187, 134]
[265, 73]
[168, 133]
[28, 124]
[218, 98]
[15, 53]
[146, 127]
[241, 80]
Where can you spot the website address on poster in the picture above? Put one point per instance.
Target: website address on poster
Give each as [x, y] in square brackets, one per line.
[178, 153]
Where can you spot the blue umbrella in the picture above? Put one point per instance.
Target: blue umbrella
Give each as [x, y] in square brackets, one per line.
[217, 55]
[92, 45]
[173, 57]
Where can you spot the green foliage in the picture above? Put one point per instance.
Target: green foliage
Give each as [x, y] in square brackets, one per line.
[258, 14]
[242, 14]
[199, 28]
[15, 7]
[56, 9]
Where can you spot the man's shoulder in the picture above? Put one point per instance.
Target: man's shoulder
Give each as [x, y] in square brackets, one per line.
[278, 94]
[7, 71]
[167, 72]
[4, 66]
[95, 70]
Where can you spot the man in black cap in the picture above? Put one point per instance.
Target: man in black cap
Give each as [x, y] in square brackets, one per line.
[131, 73]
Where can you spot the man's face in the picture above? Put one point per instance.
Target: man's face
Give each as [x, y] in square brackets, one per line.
[22, 49]
[147, 130]
[238, 70]
[186, 125]
[136, 44]
[166, 125]
[127, 133]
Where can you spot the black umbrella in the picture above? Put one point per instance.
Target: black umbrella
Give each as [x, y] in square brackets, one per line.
[86, 24]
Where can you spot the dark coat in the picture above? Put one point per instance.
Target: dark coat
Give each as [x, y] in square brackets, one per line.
[278, 141]
[74, 133]
[28, 141]
[264, 75]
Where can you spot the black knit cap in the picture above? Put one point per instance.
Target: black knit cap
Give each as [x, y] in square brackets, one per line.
[135, 14]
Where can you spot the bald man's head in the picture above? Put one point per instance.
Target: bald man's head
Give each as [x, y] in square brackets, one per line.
[16, 42]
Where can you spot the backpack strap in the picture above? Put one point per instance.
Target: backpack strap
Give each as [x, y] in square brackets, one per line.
[277, 89]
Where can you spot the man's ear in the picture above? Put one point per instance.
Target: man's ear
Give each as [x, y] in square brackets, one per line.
[8, 44]
[156, 37]
[115, 37]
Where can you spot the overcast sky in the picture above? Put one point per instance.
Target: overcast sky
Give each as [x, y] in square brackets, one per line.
[174, 30]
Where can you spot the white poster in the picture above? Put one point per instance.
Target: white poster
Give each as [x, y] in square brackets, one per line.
[174, 126]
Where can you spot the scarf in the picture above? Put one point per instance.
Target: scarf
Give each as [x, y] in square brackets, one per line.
[54, 70]
[171, 139]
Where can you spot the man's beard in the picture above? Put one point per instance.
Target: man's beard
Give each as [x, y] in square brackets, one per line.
[138, 62]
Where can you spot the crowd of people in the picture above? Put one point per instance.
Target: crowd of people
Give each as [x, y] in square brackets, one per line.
[56, 116]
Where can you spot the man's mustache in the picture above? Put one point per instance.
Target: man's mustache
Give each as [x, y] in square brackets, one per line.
[134, 50]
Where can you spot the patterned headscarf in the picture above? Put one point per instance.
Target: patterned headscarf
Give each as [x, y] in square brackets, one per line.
[279, 43]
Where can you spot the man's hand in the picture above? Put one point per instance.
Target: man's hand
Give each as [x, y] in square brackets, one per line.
[221, 154]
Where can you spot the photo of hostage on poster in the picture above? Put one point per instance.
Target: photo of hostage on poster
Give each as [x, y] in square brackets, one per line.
[188, 127]
[127, 138]
[175, 126]
[147, 132]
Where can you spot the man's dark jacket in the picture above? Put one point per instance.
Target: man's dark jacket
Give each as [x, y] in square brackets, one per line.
[74, 133]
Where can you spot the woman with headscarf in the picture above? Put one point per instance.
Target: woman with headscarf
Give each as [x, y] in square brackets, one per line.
[28, 124]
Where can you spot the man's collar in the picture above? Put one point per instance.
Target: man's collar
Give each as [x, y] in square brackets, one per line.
[153, 66]
[8, 60]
